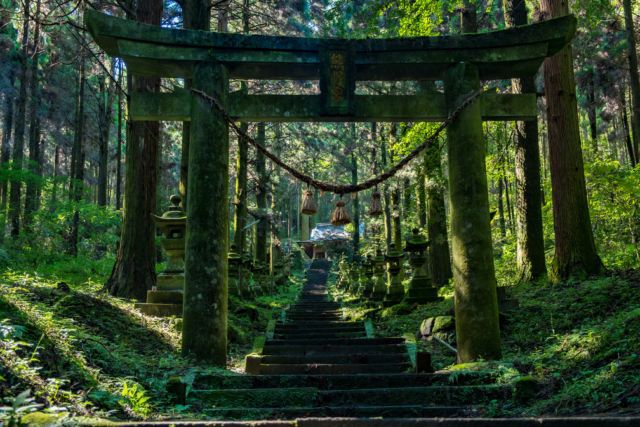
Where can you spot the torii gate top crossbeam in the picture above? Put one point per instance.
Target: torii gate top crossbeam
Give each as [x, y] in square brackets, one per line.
[162, 52]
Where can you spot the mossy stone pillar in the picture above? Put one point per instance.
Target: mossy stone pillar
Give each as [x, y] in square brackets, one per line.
[395, 275]
[476, 304]
[204, 334]
[366, 271]
[379, 280]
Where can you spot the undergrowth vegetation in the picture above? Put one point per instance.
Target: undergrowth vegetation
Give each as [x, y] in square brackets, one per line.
[578, 341]
[78, 350]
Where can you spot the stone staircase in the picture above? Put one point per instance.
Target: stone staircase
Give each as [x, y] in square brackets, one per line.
[317, 364]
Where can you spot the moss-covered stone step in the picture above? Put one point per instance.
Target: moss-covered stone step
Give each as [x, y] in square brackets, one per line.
[315, 309]
[432, 395]
[301, 332]
[318, 336]
[302, 317]
[351, 381]
[322, 304]
[308, 396]
[306, 314]
[336, 358]
[338, 341]
[355, 327]
[317, 324]
[164, 297]
[319, 368]
[249, 398]
[328, 348]
[404, 411]
[159, 310]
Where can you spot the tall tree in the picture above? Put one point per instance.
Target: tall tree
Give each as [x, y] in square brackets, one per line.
[633, 160]
[76, 182]
[105, 112]
[356, 199]
[262, 185]
[591, 108]
[529, 233]
[397, 218]
[134, 270]
[634, 81]
[8, 50]
[421, 198]
[20, 121]
[439, 253]
[118, 189]
[240, 212]
[5, 150]
[196, 16]
[575, 250]
[385, 192]
[31, 192]
[436, 216]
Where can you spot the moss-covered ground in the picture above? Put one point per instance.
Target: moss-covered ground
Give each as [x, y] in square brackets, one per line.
[577, 342]
[82, 351]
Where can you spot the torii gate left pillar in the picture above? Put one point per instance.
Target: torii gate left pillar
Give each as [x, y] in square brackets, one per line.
[206, 246]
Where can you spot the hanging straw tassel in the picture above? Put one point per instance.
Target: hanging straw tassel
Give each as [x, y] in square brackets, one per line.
[340, 215]
[376, 204]
[308, 204]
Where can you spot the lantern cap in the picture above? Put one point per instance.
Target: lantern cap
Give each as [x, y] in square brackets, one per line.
[233, 253]
[175, 215]
[393, 254]
[247, 259]
[379, 258]
[416, 242]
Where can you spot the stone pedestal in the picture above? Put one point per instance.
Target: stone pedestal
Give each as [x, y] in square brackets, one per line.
[354, 277]
[343, 275]
[235, 277]
[366, 278]
[379, 281]
[395, 290]
[248, 282]
[421, 289]
[261, 278]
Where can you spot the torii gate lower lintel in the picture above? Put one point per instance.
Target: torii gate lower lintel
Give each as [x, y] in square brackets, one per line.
[211, 59]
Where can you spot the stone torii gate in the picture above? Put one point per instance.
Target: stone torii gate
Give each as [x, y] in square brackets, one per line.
[210, 59]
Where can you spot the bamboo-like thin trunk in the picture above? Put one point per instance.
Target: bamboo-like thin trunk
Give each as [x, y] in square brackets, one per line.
[20, 119]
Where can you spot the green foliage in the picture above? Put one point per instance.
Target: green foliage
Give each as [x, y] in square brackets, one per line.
[21, 405]
[614, 202]
[134, 398]
[91, 353]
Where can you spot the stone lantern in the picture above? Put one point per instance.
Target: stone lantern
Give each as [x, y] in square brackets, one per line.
[166, 298]
[354, 276]
[379, 290]
[261, 277]
[343, 275]
[234, 272]
[395, 290]
[366, 278]
[246, 267]
[421, 289]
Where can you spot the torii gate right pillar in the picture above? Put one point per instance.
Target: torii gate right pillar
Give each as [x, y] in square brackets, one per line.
[476, 305]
